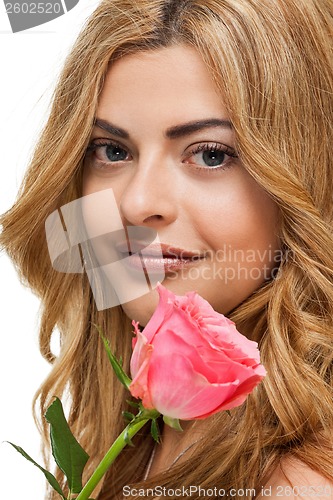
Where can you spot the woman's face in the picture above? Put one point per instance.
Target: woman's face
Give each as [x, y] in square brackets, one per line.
[164, 144]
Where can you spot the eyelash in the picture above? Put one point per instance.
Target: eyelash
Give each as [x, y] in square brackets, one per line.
[209, 146]
[227, 150]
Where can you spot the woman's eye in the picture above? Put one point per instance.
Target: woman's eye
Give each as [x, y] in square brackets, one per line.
[111, 153]
[210, 156]
[107, 152]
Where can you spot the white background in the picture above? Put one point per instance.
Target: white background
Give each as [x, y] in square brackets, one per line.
[30, 62]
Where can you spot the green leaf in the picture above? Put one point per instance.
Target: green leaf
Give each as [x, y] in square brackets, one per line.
[155, 432]
[133, 404]
[67, 452]
[116, 365]
[50, 477]
[172, 422]
[128, 416]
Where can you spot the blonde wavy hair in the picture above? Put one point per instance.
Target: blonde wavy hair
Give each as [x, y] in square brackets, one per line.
[272, 63]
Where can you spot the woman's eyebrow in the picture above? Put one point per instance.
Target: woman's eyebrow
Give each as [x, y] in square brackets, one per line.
[172, 132]
[111, 129]
[191, 127]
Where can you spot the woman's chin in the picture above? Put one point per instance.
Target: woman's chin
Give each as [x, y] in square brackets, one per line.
[142, 308]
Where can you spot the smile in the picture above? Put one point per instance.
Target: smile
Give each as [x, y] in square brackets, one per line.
[158, 257]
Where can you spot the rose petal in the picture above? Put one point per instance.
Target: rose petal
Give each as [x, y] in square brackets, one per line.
[177, 391]
[136, 331]
[139, 385]
[215, 366]
[162, 312]
[139, 353]
[176, 344]
[241, 393]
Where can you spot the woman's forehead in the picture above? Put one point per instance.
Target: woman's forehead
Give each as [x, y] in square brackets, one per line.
[171, 84]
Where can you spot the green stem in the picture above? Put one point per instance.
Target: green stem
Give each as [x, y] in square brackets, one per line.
[110, 457]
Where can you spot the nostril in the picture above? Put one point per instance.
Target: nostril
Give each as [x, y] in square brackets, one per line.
[154, 217]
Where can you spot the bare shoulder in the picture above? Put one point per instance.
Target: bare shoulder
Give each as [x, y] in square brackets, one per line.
[295, 480]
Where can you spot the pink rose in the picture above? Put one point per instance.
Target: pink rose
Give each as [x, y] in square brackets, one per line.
[190, 362]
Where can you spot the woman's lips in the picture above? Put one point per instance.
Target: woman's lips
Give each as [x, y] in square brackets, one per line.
[157, 257]
[156, 264]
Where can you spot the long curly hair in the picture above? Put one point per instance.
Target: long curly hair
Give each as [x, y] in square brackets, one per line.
[272, 63]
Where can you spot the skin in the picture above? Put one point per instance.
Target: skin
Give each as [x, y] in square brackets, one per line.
[158, 183]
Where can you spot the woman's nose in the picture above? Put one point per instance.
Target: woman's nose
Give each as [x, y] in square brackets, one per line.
[150, 195]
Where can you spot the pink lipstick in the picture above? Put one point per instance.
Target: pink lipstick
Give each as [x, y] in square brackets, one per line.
[157, 257]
